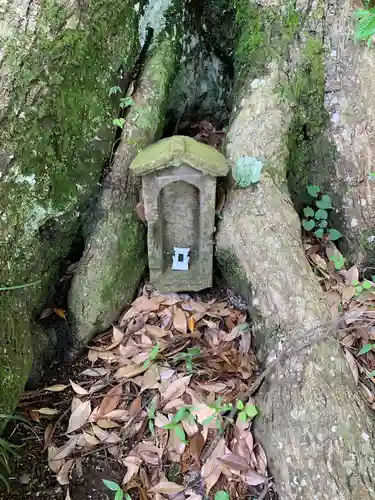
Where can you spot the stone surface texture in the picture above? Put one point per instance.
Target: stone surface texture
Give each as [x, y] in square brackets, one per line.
[179, 192]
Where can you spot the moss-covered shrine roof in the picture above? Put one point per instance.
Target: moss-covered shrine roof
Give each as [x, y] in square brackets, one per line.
[180, 150]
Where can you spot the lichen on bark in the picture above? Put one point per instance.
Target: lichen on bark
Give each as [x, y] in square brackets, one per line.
[58, 63]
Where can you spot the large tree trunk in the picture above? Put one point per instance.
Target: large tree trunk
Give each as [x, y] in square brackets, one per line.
[58, 62]
[317, 431]
[115, 257]
[333, 134]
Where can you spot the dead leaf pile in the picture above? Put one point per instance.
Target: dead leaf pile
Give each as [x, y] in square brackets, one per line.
[158, 390]
[354, 307]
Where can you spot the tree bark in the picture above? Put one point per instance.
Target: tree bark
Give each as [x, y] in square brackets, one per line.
[58, 62]
[115, 256]
[317, 431]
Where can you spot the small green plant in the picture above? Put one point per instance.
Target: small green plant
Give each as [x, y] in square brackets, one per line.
[126, 102]
[364, 285]
[114, 90]
[119, 492]
[222, 495]
[219, 409]
[7, 449]
[118, 122]
[246, 412]
[338, 261]
[316, 217]
[365, 349]
[152, 356]
[176, 426]
[189, 357]
[365, 25]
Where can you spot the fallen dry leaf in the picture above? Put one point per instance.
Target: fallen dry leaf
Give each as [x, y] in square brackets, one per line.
[135, 407]
[156, 332]
[56, 388]
[179, 320]
[133, 464]
[49, 412]
[252, 478]
[118, 335]
[95, 372]
[65, 450]
[149, 453]
[78, 389]
[54, 465]
[103, 423]
[63, 474]
[130, 371]
[196, 444]
[48, 435]
[92, 355]
[234, 462]
[176, 388]
[211, 470]
[353, 364]
[111, 400]
[79, 417]
[167, 488]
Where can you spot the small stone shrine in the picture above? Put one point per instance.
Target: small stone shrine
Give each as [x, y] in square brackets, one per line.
[179, 191]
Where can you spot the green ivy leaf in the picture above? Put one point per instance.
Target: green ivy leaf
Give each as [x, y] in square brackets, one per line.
[180, 414]
[171, 425]
[324, 202]
[194, 351]
[365, 27]
[240, 405]
[189, 366]
[147, 363]
[154, 352]
[365, 349]
[242, 416]
[321, 214]
[114, 90]
[373, 278]
[180, 433]
[334, 234]
[118, 122]
[308, 225]
[208, 420]
[366, 285]
[251, 411]
[247, 171]
[308, 212]
[222, 495]
[319, 233]
[111, 485]
[339, 262]
[313, 191]
[371, 374]
[355, 282]
[151, 427]
[119, 495]
[125, 102]
[359, 289]
[151, 410]
[323, 224]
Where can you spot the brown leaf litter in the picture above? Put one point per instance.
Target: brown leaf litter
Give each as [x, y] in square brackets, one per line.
[160, 393]
[352, 307]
